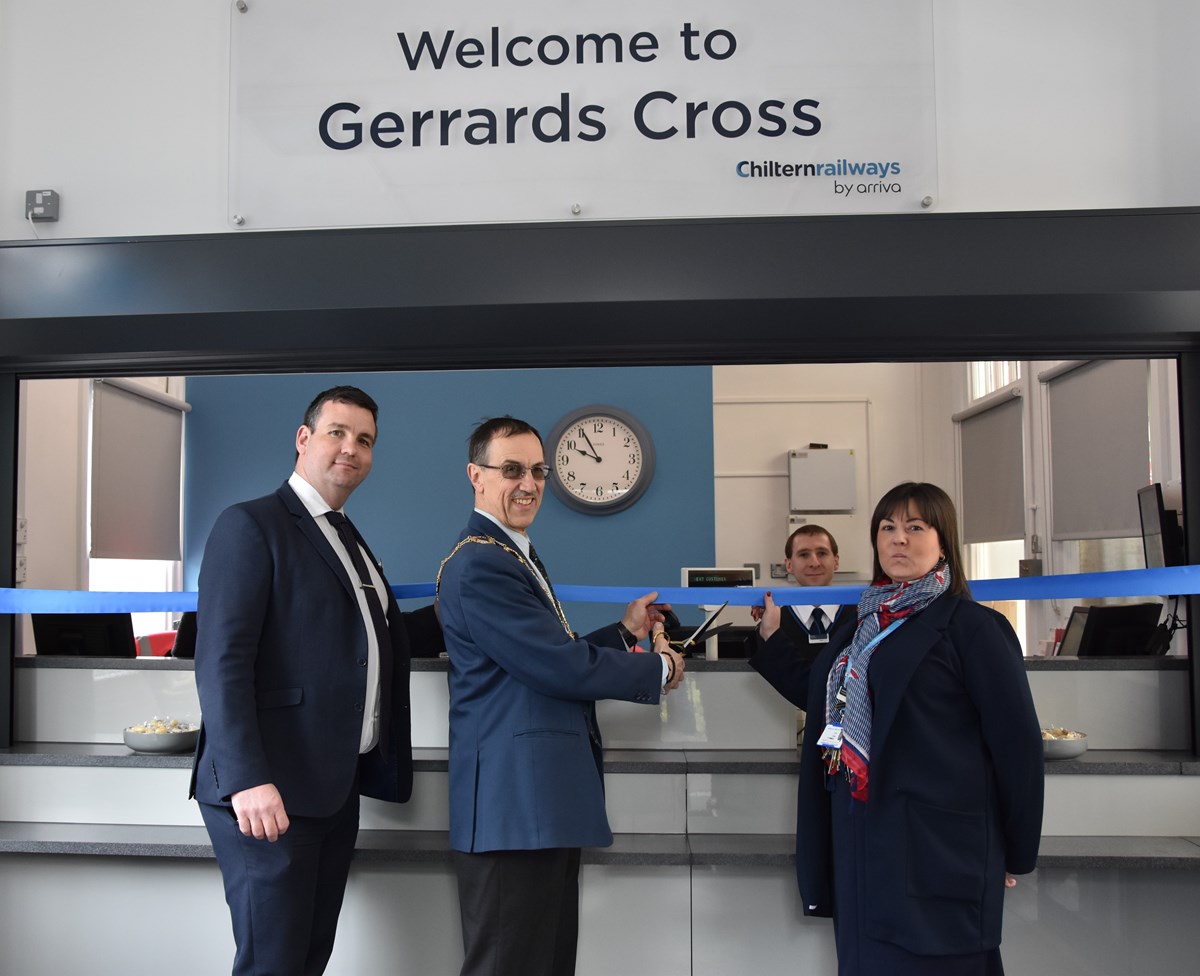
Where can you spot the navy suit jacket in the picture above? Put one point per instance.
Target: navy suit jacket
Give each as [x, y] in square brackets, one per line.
[956, 780]
[281, 666]
[525, 752]
[786, 665]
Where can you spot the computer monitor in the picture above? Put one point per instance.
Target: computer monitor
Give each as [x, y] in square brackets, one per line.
[84, 634]
[1073, 634]
[1122, 631]
[1162, 536]
[718, 577]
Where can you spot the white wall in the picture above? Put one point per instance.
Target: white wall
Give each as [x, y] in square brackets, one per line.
[121, 106]
[896, 416]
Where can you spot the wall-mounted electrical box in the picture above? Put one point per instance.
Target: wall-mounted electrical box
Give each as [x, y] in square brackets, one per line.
[41, 205]
[821, 480]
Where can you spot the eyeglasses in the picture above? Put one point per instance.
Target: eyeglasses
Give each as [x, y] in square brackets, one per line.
[514, 471]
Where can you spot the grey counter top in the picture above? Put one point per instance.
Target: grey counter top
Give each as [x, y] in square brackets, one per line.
[67, 663]
[1106, 663]
[1125, 852]
[696, 665]
[1126, 762]
[408, 846]
[1113, 762]
[117, 754]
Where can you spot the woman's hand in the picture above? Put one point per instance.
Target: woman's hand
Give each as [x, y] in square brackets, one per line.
[770, 617]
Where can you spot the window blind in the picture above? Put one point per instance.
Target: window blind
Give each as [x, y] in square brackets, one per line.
[136, 451]
[1099, 447]
[991, 438]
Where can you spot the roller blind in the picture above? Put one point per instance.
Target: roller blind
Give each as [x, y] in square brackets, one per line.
[993, 468]
[1099, 448]
[136, 447]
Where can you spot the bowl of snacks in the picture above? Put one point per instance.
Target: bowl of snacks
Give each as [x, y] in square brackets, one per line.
[162, 735]
[1060, 743]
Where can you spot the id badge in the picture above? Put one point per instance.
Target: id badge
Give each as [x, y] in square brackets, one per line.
[831, 738]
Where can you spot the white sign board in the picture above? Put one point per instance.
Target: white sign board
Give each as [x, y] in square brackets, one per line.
[464, 111]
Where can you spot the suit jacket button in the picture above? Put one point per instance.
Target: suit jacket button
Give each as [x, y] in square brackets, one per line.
[362, 662]
[358, 706]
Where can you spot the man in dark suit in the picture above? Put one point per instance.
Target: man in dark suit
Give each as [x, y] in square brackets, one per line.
[526, 759]
[302, 663]
[790, 637]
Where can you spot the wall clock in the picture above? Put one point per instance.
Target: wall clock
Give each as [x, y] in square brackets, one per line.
[603, 459]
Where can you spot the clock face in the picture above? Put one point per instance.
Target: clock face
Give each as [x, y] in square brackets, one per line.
[603, 459]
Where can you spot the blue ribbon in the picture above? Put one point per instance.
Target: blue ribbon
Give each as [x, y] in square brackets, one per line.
[1171, 581]
[81, 601]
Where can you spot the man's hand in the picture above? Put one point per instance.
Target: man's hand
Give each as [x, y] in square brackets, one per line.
[769, 621]
[260, 812]
[662, 645]
[642, 615]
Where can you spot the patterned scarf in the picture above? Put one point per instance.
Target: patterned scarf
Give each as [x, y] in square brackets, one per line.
[881, 605]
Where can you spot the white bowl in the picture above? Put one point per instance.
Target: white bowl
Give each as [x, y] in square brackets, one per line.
[1065, 748]
[162, 742]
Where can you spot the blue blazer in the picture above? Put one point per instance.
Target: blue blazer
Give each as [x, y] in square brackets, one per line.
[281, 666]
[525, 752]
[956, 780]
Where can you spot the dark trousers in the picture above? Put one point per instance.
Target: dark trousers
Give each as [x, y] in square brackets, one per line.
[284, 898]
[520, 911]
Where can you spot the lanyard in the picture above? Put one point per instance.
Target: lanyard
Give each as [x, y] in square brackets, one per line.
[840, 700]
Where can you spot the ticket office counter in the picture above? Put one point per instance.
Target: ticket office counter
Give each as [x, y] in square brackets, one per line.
[701, 794]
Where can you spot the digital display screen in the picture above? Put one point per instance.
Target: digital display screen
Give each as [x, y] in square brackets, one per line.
[718, 577]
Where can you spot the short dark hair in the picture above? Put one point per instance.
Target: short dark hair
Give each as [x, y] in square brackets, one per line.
[810, 529]
[935, 507]
[482, 436]
[340, 394]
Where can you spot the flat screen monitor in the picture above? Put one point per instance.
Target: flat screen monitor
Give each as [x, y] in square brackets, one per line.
[1162, 536]
[1073, 635]
[84, 634]
[1123, 631]
[716, 577]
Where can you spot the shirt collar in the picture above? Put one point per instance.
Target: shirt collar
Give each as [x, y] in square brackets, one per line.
[520, 539]
[805, 612]
[309, 497]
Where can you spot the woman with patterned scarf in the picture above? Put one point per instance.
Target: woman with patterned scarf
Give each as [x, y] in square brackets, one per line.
[921, 769]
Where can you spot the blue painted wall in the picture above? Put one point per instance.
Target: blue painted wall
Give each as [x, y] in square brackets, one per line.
[240, 444]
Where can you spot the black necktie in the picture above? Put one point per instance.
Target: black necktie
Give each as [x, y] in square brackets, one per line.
[345, 530]
[816, 625]
[589, 710]
[541, 568]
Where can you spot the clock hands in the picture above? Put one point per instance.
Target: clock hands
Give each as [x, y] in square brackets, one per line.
[594, 456]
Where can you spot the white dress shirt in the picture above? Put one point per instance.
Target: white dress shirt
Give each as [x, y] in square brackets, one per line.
[804, 614]
[317, 507]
